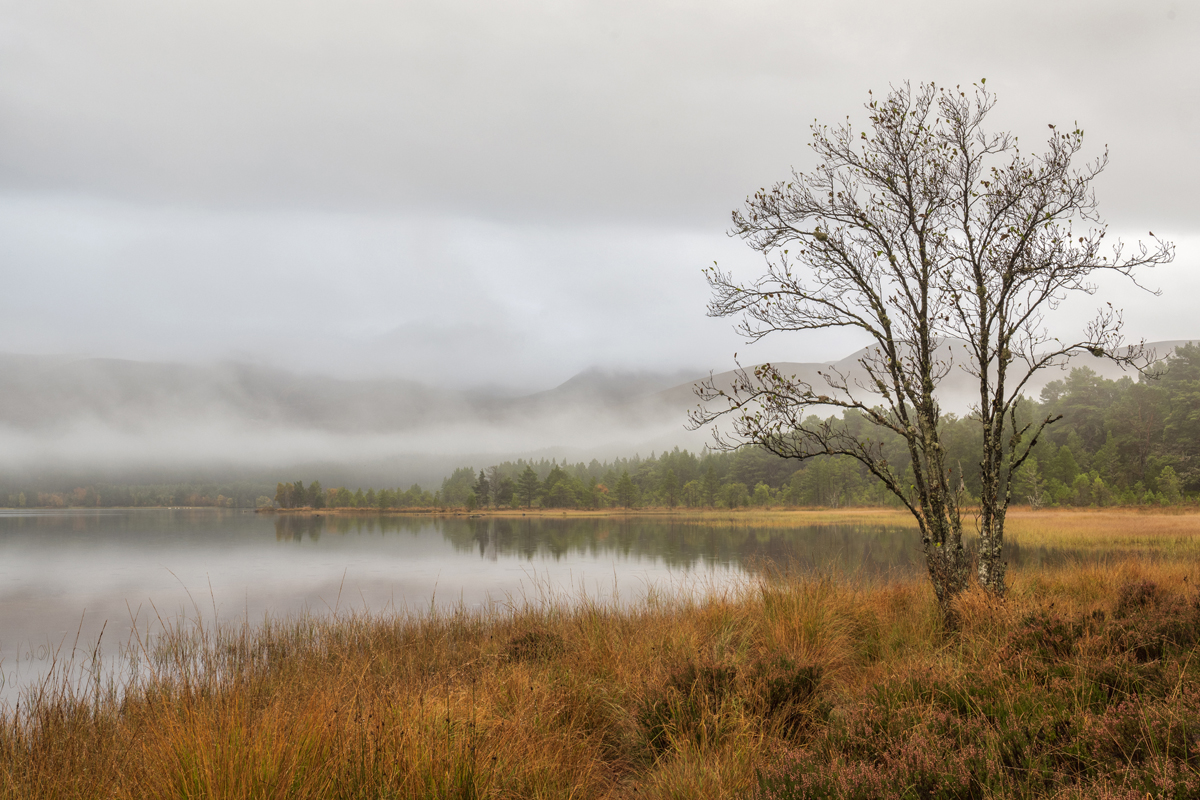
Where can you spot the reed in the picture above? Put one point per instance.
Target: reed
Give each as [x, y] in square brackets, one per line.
[1084, 682]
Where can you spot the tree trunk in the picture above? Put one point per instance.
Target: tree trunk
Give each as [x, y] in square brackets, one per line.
[949, 570]
[992, 566]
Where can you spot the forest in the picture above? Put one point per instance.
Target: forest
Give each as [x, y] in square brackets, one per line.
[1118, 443]
[47, 493]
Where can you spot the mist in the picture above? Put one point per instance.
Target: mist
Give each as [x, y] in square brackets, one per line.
[68, 422]
[91, 420]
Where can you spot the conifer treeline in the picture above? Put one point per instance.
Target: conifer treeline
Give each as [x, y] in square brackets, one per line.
[1120, 442]
[297, 495]
[242, 494]
[1123, 442]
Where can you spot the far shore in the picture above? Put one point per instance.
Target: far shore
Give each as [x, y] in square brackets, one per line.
[808, 513]
[677, 513]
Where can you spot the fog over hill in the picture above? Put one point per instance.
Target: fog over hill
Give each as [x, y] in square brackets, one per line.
[91, 417]
[138, 420]
[957, 392]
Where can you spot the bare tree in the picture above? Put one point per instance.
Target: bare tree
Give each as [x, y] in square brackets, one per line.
[923, 230]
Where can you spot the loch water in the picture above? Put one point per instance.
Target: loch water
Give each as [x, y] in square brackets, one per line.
[72, 579]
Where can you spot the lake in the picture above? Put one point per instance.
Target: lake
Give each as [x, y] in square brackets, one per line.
[68, 576]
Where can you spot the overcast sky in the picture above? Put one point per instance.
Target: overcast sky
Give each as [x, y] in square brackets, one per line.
[505, 192]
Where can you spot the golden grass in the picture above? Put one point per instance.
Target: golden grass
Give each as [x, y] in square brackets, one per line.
[1088, 528]
[578, 699]
[1161, 529]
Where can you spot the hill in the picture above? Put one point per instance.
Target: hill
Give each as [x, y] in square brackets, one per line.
[89, 415]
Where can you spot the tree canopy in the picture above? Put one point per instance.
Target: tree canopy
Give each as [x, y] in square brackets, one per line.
[921, 229]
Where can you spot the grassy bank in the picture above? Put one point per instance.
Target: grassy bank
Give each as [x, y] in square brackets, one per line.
[1083, 683]
[1053, 522]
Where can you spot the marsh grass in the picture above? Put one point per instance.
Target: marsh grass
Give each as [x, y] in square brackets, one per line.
[1083, 683]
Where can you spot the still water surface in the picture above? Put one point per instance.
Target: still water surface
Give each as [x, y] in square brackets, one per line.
[65, 576]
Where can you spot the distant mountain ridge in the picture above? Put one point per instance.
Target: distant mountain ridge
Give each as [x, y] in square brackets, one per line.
[37, 392]
[97, 413]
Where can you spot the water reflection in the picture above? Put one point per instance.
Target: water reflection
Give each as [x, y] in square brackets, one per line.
[853, 548]
[69, 573]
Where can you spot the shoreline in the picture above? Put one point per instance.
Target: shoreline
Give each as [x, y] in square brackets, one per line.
[1014, 512]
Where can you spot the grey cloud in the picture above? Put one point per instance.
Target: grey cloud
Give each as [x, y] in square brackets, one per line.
[437, 299]
[523, 110]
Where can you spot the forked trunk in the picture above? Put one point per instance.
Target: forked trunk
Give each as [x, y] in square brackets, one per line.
[949, 571]
[945, 557]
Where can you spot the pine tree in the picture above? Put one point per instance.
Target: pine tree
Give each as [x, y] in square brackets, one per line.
[528, 486]
[625, 490]
[482, 489]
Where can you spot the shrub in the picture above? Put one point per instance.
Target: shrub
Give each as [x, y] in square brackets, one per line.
[787, 691]
[1147, 621]
[688, 706]
[1043, 634]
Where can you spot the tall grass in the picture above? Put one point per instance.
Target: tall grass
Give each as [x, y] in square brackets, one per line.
[1084, 683]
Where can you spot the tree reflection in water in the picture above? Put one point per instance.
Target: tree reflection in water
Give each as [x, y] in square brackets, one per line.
[852, 548]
